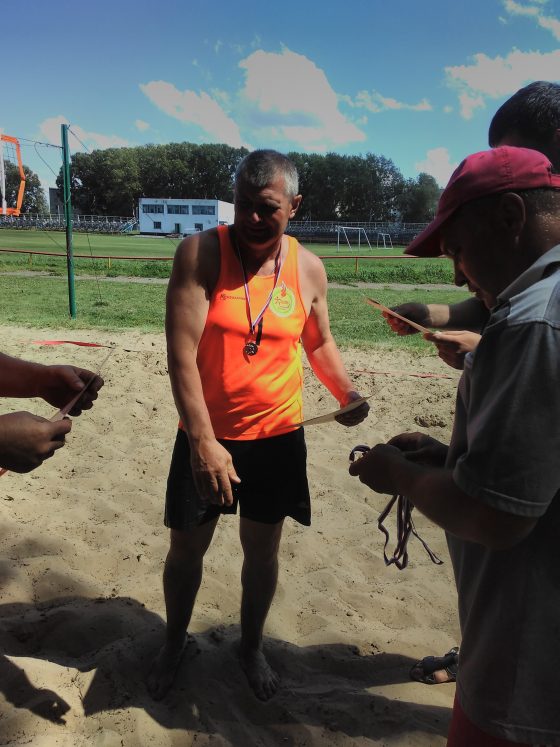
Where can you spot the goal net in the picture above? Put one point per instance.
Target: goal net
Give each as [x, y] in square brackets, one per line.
[354, 237]
[384, 240]
[12, 176]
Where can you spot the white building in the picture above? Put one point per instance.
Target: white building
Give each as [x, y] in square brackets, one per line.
[158, 216]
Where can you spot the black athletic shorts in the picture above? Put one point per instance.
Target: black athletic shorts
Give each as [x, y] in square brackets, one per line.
[273, 474]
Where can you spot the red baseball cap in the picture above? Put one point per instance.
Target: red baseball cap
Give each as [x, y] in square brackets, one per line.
[504, 169]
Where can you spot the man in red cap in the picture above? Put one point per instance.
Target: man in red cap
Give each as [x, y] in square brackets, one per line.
[528, 119]
[495, 489]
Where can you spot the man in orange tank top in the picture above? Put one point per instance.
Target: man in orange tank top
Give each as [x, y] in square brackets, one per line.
[241, 303]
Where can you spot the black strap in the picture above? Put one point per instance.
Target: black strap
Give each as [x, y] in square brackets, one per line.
[259, 331]
[405, 525]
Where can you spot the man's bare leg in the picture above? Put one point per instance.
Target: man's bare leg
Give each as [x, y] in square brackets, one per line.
[259, 576]
[181, 580]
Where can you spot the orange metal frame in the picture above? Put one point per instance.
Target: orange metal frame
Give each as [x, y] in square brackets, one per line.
[15, 210]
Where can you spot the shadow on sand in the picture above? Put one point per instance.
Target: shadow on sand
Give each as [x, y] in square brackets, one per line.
[324, 687]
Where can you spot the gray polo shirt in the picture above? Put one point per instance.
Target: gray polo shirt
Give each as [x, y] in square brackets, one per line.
[505, 452]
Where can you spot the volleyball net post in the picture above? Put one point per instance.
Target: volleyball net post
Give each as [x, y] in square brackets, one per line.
[68, 219]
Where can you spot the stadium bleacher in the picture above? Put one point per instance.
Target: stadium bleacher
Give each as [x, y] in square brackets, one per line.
[323, 232]
[83, 223]
[326, 232]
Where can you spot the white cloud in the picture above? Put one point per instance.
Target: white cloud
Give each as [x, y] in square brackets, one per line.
[494, 77]
[469, 103]
[141, 125]
[299, 109]
[550, 23]
[300, 98]
[447, 109]
[438, 164]
[194, 108]
[222, 97]
[375, 102]
[50, 131]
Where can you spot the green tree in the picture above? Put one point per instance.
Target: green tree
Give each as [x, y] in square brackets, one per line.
[348, 188]
[33, 197]
[419, 198]
[320, 179]
[109, 182]
[104, 182]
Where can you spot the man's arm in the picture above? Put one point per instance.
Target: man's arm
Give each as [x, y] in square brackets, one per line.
[57, 385]
[188, 300]
[470, 314]
[318, 342]
[433, 491]
[19, 378]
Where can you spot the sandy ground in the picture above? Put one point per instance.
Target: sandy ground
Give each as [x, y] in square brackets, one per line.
[82, 546]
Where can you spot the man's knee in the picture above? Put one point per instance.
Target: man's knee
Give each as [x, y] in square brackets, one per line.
[260, 542]
[191, 545]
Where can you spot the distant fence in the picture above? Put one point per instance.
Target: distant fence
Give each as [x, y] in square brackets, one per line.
[85, 223]
[326, 232]
[111, 258]
[309, 231]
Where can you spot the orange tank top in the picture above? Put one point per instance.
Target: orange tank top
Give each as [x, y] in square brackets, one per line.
[251, 397]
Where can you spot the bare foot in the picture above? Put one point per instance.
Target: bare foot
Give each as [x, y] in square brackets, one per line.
[163, 670]
[438, 676]
[262, 678]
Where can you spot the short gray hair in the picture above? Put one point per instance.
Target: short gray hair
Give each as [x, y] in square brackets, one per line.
[261, 167]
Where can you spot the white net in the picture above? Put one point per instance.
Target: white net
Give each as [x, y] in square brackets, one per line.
[352, 237]
[384, 240]
[12, 176]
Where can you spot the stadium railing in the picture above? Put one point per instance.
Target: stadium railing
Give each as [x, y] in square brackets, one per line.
[326, 232]
[56, 222]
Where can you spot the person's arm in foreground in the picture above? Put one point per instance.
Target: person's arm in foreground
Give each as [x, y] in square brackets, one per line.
[188, 301]
[470, 314]
[319, 345]
[57, 385]
[394, 468]
[26, 440]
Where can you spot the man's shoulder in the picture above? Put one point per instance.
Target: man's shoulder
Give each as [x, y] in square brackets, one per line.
[197, 259]
[307, 260]
[199, 248]
[199, 240]
[539, 303]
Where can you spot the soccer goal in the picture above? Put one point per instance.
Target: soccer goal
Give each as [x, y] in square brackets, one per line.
[356, 233]
[385, 240]
[12, 176]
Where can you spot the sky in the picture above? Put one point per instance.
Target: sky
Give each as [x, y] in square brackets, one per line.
[416, 81]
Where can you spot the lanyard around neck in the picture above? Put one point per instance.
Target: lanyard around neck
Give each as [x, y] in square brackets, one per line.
[278, 262]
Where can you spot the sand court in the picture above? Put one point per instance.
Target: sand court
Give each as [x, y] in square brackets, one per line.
[82, 546]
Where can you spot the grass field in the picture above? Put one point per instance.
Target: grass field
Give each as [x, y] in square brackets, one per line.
[43, 302]
[338, 270]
